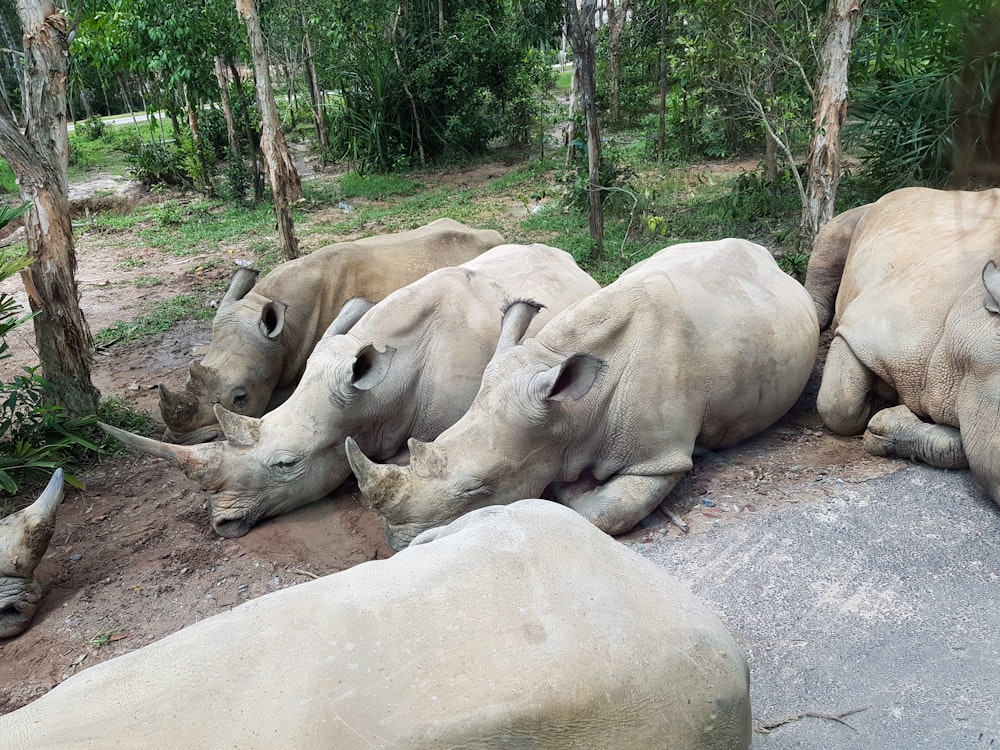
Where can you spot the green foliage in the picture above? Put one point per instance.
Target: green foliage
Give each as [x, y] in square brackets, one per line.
[417, 86]
[8, 180]
[794, 264]
[614, 177]
[376, 186]
[91, 129]
[923, 84]
[37, 435]
[157, 164]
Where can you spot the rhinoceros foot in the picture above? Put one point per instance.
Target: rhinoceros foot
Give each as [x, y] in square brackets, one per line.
[19, 598]
[897, 431]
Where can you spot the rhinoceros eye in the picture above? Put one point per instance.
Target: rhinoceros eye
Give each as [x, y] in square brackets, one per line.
[285, 462]
[239, 397]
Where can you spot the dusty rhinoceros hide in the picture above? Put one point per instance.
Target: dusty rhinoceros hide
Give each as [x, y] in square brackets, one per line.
[699, 346]
[265, 329]
[913, 290]
[24, 538]
[519, 626]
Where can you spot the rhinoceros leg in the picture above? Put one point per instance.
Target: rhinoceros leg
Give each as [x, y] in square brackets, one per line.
[620, 503]
[900, 432]
[844, 400]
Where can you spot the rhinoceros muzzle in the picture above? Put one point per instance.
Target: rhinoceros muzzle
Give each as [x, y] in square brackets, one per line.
[19, 598]
[232, 525]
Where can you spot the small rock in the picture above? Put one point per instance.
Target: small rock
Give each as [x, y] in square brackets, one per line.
[75, 558]
[709, 503]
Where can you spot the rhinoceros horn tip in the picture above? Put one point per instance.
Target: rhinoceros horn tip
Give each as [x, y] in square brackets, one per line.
[52, 495]
[144, 444]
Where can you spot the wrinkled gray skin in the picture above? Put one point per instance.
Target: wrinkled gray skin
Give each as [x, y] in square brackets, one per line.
[409, 368]
[917, 326]
[24, 538]
[702, 345]
[516, 627]
[264, 330]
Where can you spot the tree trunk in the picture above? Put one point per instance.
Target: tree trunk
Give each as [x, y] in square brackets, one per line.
[770, 145]
[285, 183]
[582, 34]
[235, 152]
[842, 21]
[661, 140]
[39, 159]
[616, 27]
[253, 137]
[315, 93]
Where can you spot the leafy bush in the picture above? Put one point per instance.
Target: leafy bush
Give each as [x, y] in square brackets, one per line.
[157, 164]
[92, 129]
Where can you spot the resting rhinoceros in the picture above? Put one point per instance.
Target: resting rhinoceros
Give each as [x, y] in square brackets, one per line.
[516, 627]
[263, 333]
[917, 322]
[24, 537]
[701, 345]
[410, 367]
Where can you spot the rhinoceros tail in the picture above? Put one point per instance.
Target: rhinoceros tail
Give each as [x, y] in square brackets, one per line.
[826, 263]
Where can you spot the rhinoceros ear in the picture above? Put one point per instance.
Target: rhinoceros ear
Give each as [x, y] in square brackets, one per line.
[991, 282]
[242, 281]
[352, 311]
[370, 366]
[272, 319]
[516, 318]
[570, 380]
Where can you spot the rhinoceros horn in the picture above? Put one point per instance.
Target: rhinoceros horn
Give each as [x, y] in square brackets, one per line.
[199, 461]
[238, 429]
[177, 408]
[377, 482]
[25, 535]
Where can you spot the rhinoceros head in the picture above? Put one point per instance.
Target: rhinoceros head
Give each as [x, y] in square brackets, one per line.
[240, 370]
[294, 454]
[507, 447]
[24, 537]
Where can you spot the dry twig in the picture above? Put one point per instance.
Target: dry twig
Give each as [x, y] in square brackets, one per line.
[839, 718]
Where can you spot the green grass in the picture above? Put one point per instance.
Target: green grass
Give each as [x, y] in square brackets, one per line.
[376, 187]
[144, 282]
[156, 318]
[183, 229]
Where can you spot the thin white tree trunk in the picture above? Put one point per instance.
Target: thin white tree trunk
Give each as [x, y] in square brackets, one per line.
[842, 22]
[39, 158]
[285, 182]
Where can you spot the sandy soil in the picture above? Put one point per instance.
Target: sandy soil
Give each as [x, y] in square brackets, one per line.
[134, 558]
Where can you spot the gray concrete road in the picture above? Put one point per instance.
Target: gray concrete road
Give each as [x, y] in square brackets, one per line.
[885, 596]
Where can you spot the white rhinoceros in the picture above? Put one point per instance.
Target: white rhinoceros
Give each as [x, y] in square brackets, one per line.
[701, 345]
[24, 537]
[516, 627]
[264, 332]
[409, 368]
[917, 320]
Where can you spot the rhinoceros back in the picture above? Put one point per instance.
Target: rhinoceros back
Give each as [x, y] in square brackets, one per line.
[711, 334]
[517, 626]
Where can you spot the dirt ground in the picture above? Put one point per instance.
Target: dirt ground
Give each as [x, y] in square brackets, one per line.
[134, 557]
